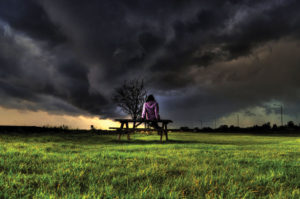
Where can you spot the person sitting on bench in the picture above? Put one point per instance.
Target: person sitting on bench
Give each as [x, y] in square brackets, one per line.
[151, 111]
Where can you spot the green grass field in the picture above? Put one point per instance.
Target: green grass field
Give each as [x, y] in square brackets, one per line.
[191, 165]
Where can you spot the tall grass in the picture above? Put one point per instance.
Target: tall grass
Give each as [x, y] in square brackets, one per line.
[189, 166]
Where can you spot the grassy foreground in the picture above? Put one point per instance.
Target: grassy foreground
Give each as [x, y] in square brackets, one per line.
[189, 166]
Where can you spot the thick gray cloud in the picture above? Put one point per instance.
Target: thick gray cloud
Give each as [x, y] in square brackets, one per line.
[201, 58]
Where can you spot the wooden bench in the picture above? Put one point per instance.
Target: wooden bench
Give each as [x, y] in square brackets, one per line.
[125, 129]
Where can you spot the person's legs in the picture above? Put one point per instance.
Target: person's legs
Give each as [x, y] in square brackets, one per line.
[155, 125]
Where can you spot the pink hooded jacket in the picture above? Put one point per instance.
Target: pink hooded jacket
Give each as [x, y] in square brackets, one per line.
[150, 110]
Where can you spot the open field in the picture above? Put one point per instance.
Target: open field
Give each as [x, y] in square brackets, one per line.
[191, 165]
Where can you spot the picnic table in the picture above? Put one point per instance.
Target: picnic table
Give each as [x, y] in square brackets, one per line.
[126, 129]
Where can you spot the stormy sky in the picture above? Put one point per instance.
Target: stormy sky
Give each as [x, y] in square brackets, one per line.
[201, 59]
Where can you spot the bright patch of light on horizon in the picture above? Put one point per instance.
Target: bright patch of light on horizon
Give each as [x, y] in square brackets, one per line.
[42, 118]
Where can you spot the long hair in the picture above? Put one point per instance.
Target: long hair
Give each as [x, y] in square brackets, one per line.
[150, 98]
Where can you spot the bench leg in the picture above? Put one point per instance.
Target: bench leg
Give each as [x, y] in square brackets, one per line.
[166, 131]
[162, 132]
[166, 135]
[128, 135]
[122, 125]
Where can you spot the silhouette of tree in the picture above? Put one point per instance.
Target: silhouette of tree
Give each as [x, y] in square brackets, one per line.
[266, 126]
[184, 128]
[224, 127]
[290, 124]
[196, 129]
[130, 97]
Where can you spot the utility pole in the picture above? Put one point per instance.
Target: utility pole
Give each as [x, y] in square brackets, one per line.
[281, 112]
[215, 123]
[201, 124]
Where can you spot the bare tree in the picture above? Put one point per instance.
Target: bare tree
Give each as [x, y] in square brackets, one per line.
[130, 97]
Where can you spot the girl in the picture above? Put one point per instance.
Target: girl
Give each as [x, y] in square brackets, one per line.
[151, 111]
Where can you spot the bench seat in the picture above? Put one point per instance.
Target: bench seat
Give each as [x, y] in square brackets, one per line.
[137, 129]
[125, 129]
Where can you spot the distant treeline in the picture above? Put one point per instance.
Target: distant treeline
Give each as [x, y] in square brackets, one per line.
[290, 127]
[49, 129]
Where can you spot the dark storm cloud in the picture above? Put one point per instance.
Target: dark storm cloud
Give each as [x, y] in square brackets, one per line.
[36, 78]
[76, 52]
[30, 18]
